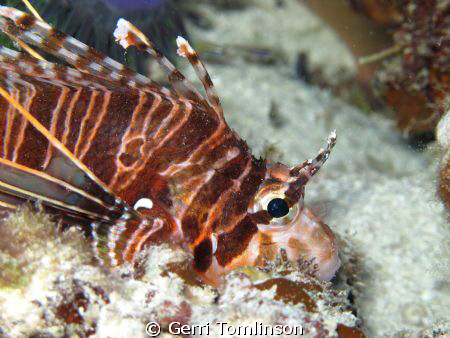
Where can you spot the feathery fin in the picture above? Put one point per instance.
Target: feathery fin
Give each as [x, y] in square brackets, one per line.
[313, 165]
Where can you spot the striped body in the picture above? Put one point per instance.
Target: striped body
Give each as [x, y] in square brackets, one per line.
[110, 139]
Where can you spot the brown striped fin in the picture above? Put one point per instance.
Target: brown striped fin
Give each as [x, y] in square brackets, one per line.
[185, 50]
[313, 165]
[46, 170]
[38, 33]
[18, 63]
[67, 171]
[67, 188]
[25, 183]
[302, 173]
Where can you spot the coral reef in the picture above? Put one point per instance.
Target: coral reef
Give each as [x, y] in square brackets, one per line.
[25, 244]
[65, 296]
[415, 83]
[402, 52]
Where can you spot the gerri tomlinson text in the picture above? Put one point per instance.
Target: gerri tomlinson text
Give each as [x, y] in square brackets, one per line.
[224, 328]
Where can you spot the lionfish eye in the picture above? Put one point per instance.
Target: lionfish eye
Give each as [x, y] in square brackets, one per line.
[278, 208]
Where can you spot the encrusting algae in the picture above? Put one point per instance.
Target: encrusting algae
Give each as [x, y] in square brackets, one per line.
[28, 239]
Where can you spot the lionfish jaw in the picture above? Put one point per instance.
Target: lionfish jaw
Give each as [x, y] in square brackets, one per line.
[312, 244]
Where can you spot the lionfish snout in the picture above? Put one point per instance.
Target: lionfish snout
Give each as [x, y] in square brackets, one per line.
[305, 240]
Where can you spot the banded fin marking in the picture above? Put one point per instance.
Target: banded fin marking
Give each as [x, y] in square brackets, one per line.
[34, 179]
[128, 35]
[114, 202]
[314, 164]
[19, 63]
[185, 50]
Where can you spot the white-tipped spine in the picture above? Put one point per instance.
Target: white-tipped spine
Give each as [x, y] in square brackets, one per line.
[121, 32]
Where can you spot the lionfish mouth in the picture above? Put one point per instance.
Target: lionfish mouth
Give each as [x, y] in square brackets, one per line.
[305, 241]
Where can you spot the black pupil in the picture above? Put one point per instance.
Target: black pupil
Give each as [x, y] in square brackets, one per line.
[278, 207]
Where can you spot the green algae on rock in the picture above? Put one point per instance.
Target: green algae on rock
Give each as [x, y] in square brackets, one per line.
[27, 239]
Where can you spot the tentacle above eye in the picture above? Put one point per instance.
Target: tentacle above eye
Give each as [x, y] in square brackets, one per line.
[313, 165]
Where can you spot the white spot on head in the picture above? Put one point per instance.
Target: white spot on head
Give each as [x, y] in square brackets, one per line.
[143, 203]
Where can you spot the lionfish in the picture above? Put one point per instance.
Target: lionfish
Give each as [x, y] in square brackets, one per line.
[136, 163]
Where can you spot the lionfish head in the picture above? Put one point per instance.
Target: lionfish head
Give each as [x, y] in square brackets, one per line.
[277, 224]
[286, 227]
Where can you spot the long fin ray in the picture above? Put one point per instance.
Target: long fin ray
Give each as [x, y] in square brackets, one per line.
[68, 160]
[19, 180]
[128, 35]
[86, 59]
[20, 63]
